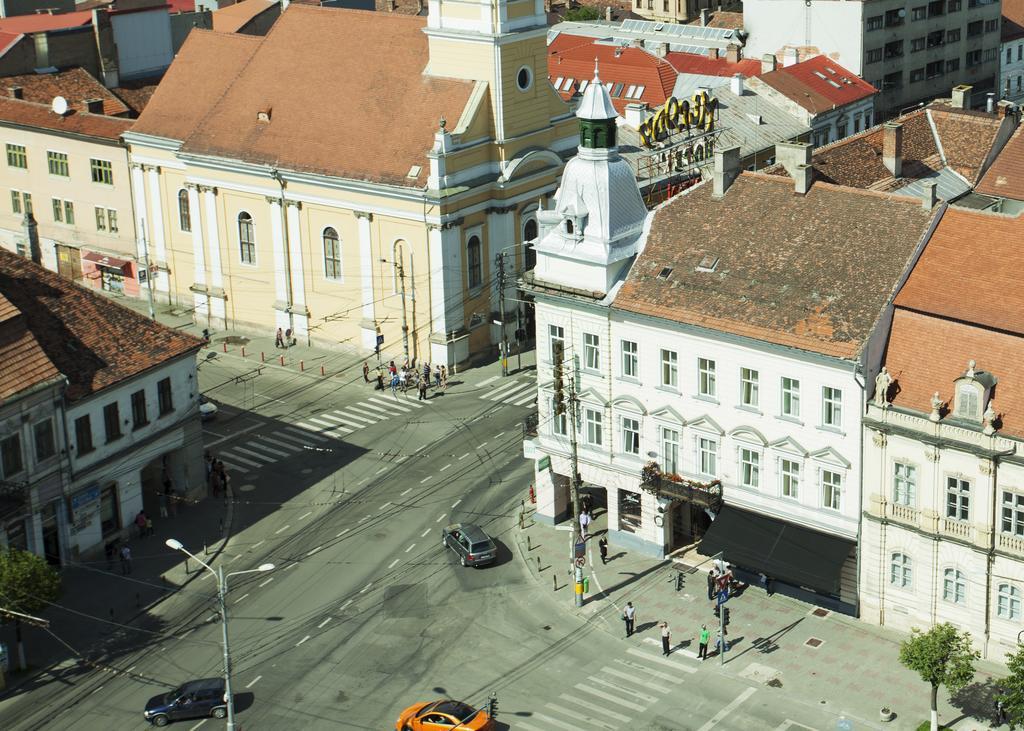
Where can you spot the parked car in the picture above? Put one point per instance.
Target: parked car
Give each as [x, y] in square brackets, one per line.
[207, 409]
[194, 699]
[443, 715]
[470, 543]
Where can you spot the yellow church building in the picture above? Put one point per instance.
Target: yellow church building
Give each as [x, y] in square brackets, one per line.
[353, 174]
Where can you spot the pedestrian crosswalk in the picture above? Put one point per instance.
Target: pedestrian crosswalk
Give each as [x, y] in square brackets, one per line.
[516, 393]
[611, 697]
[287, 441]
[340, 422]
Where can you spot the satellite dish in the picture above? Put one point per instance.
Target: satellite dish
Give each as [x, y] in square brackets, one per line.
[59, 105]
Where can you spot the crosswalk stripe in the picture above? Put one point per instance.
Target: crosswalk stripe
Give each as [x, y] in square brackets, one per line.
[300, 441]
[376, 410]
[591, 707]
[653, 673]
[236, 467]
[359, 420]
[320, 422]
[342, 426]
[312, 428]
[256, 455]
[554, 721]
[609, 697]
[580, 718]
[264, 447]
[617, 685]
[304, 429]
[668, 663]
[282, 445]
[243, 460]
[390, 404]
[339, 429]
[504, 393]
[632, 678]
[529, 398]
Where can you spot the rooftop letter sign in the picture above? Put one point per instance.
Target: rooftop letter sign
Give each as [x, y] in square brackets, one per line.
[697, 113]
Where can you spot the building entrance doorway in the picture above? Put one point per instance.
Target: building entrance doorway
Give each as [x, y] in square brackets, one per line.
[689, 523]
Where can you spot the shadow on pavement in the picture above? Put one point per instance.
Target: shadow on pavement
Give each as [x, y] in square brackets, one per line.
[976, 701]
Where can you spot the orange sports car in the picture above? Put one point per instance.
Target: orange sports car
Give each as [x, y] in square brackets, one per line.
[446, 715]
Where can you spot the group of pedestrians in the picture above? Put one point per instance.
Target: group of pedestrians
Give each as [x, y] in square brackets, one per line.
[284, 339]
[703, 637]
[217, 478]
[405, 377]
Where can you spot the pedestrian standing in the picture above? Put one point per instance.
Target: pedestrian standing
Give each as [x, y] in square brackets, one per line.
[380, 380]
[712, 580]
[666, 639]
[288, 342]
[140, 523]
[444, 378]
[721, 645]
[437, 377]
[223, 475]
[423, 388]
[279, 339]
[126, 560]
[149, 526]
[602, 546]
[169, 495]
[584, 522]
[426, 373]
[162, 498]
[366, 372]
[1001, 716]
[629, 615]
[702, 644]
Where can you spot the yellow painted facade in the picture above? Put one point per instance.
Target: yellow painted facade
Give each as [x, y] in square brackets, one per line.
[487, 171]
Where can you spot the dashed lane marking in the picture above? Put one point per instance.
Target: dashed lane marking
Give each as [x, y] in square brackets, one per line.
[393, 564]
[366, 588]
[405, 492]
[483, 445]
[343, 533]
[365, 518]
[728, 709]
[382, 469]
[445, 467]
[241, 598]
[424, 533]
[264, 583]
[456, 503]
[254, 681]
[463, 456]
[302, 640]
[305, 515]
[426, 479]
[254, 546]
[345, 605]
[411, 546]
[322, 624]
[440, 517]
[385, 505]
[282, 529]
[314, 550]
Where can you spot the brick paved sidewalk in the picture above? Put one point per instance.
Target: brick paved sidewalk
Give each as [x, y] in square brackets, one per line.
[823, 658]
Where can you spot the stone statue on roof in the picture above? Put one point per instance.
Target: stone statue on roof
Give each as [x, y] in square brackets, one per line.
[882, 382]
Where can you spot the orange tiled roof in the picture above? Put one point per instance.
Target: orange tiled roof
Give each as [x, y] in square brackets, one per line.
[770, 243]
[818, 84]
[45, 22]
[74, 84]
[234, 17]
[722, 19]
[1005, 178]
[93, 341]
[32, 114]
[391, 108]
[1013, 20]
[971, 244]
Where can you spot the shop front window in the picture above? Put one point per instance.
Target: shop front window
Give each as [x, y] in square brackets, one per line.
[629, 511]
[110, 521]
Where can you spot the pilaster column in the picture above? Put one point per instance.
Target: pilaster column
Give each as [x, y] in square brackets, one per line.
[446, 295]
[156, 212]
[300, 314]
[217, 294]
[368, 323]
[281, 318]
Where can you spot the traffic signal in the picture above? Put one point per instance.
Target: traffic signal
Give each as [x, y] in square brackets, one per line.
[725, 617]
[718, 610]
[556, 355]
[492, 705]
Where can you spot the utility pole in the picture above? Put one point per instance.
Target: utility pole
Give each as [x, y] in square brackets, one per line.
[405, 322]
[570, 410]
[500, 261]
[149, 272]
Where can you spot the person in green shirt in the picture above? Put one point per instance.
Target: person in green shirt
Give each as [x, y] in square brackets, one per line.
[705, 635]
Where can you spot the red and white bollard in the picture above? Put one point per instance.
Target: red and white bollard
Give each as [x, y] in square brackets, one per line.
[243, 351]
[302, 366]
[323, 371]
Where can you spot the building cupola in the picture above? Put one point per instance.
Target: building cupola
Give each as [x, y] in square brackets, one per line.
[597, 116]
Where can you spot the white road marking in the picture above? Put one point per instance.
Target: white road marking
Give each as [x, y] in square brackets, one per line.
[577, 716]
[257, 545]
[251, 453]
[366, 588]
[635, 666]
[440, 517]
[283, 445]
[445, 467]
[365, 518]
[528, 399]
[463, 456]
[321, 625]
[302, 640]
[591, 707]
[199, 724]
[482, 445]
[362, 480]
[254, 681]
[305, 515]
[486, 381]
[554, 722]
[241, 597]
[411, 546]
[393, 564]
[426, 479]
[390, 404]
[343, 533]
[632, 678]
[230, 465]
[180, 637]
[305, 433]
[424, 533]
[502, 391]
[282, 530]
[668, 663]
[419, 449]
[204, 577]
[405, 492]
[133, 666]
[234, 558]
[299, 441]
[384, 413]
[382, 469]
[243, 460]
[291, 566]
[456, 502]
[345, 605]
[385, 505]
[498, 434]
[728, 709]
[359, 420]
[264, 583]
[265, 448]
[617, 686]
[320, 422]
[609, 697]
[314, 550]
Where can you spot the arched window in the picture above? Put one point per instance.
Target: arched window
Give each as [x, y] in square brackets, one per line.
[529, 237]
[474, 261]
[184, 214]
[246, 238]
[1008, 602]
[332, 254]
[954, 586]
[901, 571]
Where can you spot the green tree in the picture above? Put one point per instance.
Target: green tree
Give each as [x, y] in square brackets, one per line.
[27, 585]
[584, 12]
[1013, 688]
[941, 656]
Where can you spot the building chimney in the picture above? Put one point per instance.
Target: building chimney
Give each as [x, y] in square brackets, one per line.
[16, 92]
[793, 155]
[1006, 108]
[732, 53]
[704, 16]
[42, 43]
[892, 148]
[391, 6]
[727, 168]
[736, 84]
[990, 103]
[636, 114]
[767, 63]
[35, 251]
[608, 13]
[94, 106]
[803, 178]
[961, 98]
[662, 50]
[713, 53]
[928, 197]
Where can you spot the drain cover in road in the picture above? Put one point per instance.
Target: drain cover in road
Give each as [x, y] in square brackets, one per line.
[814, 642]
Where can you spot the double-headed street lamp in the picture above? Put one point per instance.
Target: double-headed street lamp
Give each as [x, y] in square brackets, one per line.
[222, 590]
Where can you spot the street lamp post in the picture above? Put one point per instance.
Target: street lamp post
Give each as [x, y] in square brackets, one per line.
[222, 590]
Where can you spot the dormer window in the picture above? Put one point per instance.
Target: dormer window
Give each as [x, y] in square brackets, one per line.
[973, 391]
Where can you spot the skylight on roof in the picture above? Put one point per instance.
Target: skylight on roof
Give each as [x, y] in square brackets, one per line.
[630, 91]
[584, 84]
[838, 86]
[830, 70]
[639, 92]
[708, 263]
[617, 91]
[558, 82]
[568, 84]
[664, 274]
[819, 74]
[414, 171]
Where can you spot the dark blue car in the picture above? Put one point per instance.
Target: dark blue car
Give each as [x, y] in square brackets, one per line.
[194, 699]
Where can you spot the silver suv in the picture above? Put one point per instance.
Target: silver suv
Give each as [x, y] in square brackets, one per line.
[470, 543]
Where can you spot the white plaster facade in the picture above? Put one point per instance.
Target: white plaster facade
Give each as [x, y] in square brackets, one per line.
[1011, 70]
[923, 561]
[827, 126]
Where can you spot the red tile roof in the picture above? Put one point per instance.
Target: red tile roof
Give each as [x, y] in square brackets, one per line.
[31, 114]
[1005, 178]
[770, 244]
[971, 245]
[182, 6]
[7, 41]
[722, 19]
[44, 21]
[234, 17]
[23, 362]
[818, 84]
[572, 57]
[692, 63]
[90, 339]
[1013, 20]
[75, 84]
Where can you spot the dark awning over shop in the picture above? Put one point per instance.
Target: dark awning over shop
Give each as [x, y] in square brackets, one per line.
[783, 551]
[102, 260]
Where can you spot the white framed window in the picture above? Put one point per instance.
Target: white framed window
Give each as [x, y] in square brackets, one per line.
[630, 360]
[958, 498]
[669, 368]
[901, 571]
[789, 477]
[968, 402]
[593, 419]
[556, 335]
[831, 490]
[559, 425]
[954, 586]
[706, 378]
[791, 397]
[750, 467]
[246, 239]
[749, 387]
[184, 212]
[332, 253]
[707, 456]
[1008, 602]
[1012, 521]
[669, 450]
[591, 351]
[831, 407]
[630, 435]
[904, 484]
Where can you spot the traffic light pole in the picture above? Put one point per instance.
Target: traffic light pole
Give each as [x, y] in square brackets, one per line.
[500, 262]
[574, 491]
